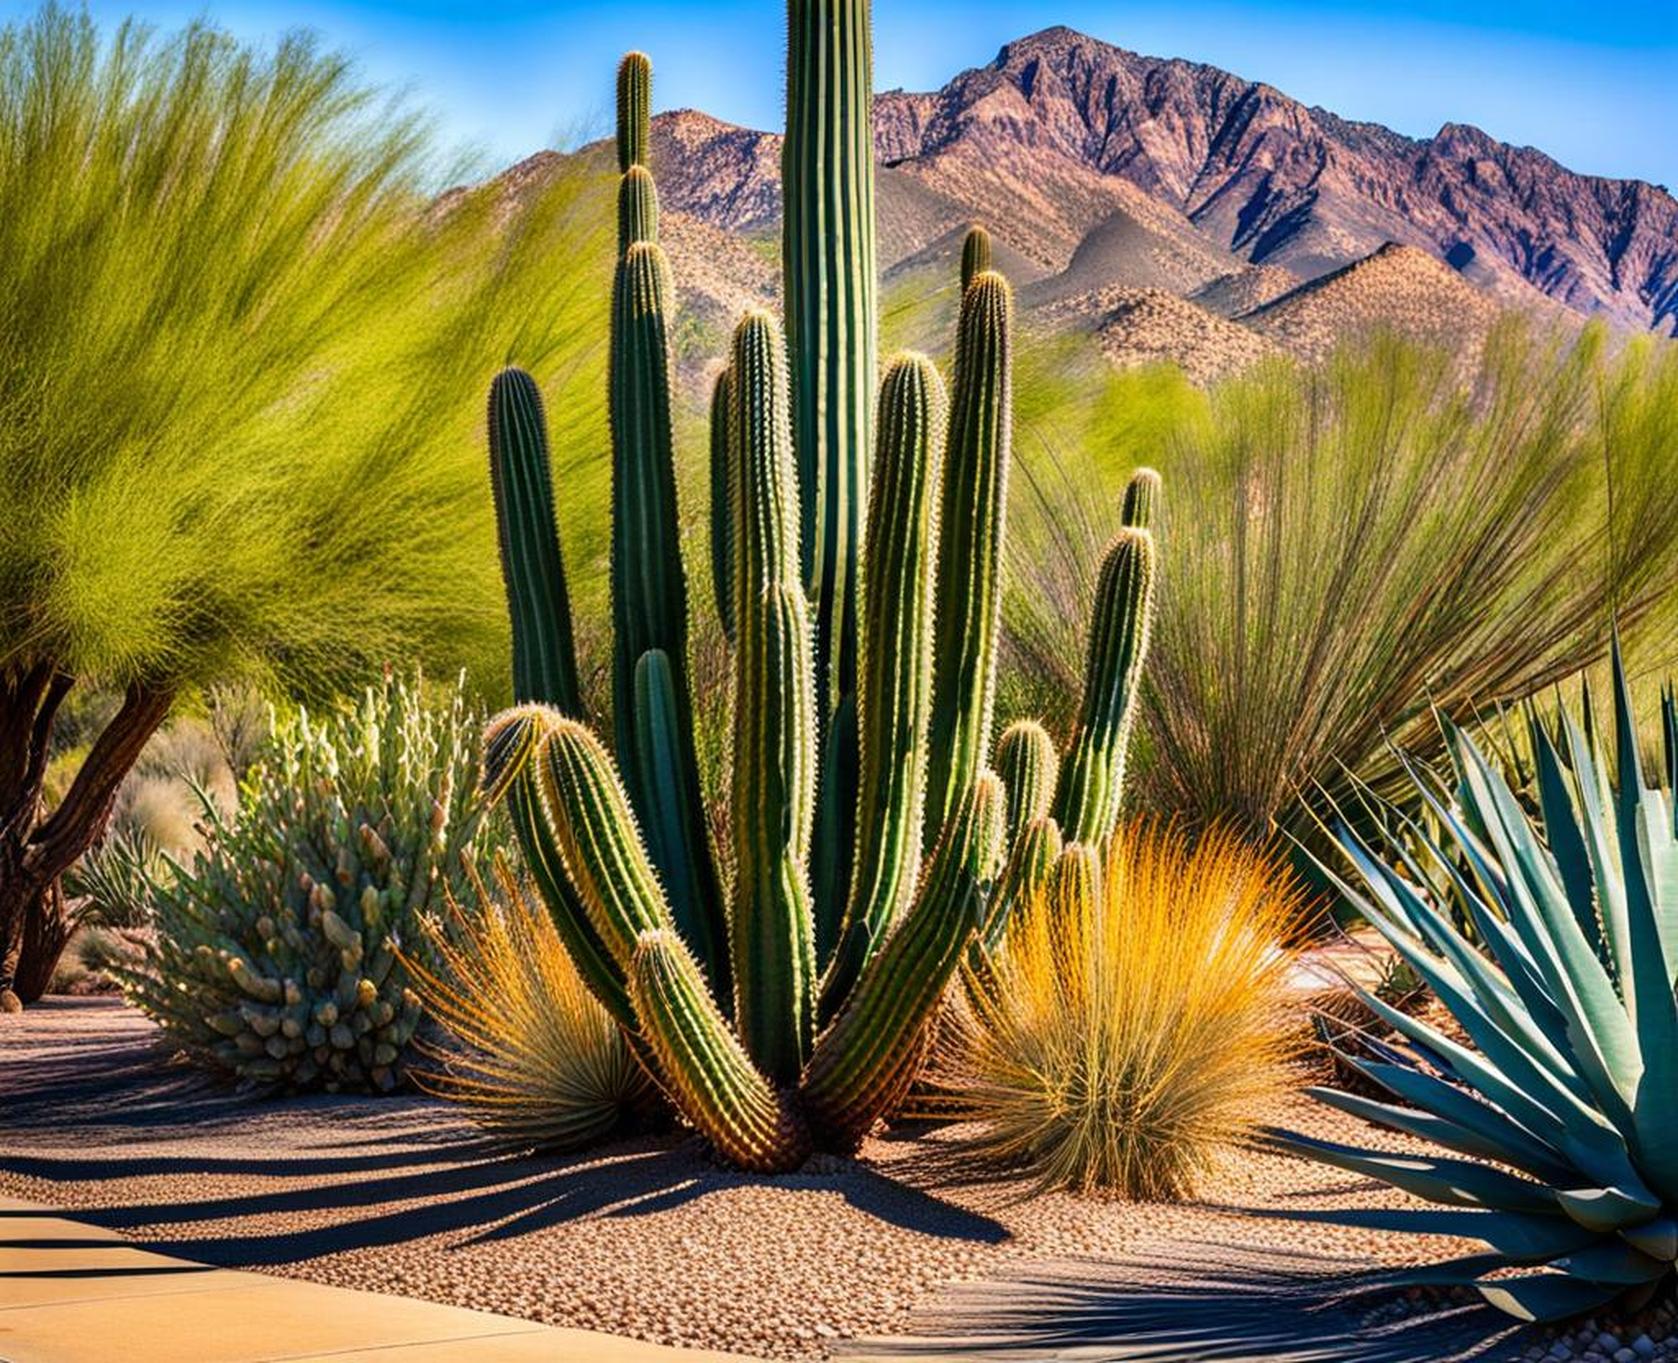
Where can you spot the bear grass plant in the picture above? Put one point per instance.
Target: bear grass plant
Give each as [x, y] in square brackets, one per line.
[278, 952]
[1132, 1022]
[531, 1055]
[1559, 1107]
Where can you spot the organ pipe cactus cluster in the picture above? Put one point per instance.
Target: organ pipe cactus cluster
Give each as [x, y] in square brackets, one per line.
[1560, 1112]
[781, 984]
[278, 958]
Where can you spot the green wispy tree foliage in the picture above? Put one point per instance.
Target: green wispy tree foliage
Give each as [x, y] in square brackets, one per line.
[230, 314]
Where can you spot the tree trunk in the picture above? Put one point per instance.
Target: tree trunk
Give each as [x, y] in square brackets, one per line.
[37, 847]
[47, 926]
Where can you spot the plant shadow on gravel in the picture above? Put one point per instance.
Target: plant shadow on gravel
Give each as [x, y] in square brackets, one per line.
[1199, 1301]
[422, 1171]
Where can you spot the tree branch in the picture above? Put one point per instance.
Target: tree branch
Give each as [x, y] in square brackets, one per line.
[81, 816]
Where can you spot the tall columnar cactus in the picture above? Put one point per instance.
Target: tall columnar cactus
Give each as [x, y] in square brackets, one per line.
[863, 652]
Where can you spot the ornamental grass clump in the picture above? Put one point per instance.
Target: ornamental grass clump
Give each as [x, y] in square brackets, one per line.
[531, 1055]
[278, 953]
[1560, 1105]
[1132, 1023]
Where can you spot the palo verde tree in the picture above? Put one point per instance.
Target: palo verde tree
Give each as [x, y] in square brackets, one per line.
[226, 321]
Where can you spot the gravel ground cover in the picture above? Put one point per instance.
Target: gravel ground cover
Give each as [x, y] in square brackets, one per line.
[648, 1238]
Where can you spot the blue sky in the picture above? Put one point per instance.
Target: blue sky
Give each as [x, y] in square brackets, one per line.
[1593, 84]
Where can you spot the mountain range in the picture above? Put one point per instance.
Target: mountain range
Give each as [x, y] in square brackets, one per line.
[1174, 209]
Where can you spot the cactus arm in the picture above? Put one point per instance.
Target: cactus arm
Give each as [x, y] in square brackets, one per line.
[975, 255]
[831, 856]
[635, 97]
[1141, 499]
[659, 747]
[1092, 780]
[1024, 875]
[894, 691]
[774, 765]
[532, 565]
[511, 740]
[972, 505]
[1028, 765]
[649, 588]
[599, 842]
[722, 509]
[830, 286]
[865, 1060]
[706, 1071]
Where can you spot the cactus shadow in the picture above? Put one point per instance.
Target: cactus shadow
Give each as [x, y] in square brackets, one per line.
[1199, 1303]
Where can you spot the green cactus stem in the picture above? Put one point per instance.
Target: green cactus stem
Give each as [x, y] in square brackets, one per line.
[972, 507]
[865, 1061]
[1141, 499]
[709, 1075]
[774, 756]
[975, 255]
[1028, 765]
[1092, 780]
[635, 99]
[895, 684]
[544, 654]
[1025, 875]
[722, 501]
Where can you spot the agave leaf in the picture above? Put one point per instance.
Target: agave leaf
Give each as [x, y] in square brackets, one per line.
[1613, 1261]
[1515, 1145]
[1590, 1144]
[1601, 843]
[1451, 1182]
[1544, 1297]
[1426, 1125]
[1567, 841]
[1608, 1209]
[1657, 1238]
[1515, 1237]
[1603, 1041]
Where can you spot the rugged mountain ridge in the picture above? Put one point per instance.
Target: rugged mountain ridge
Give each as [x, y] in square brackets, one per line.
[1062, 132]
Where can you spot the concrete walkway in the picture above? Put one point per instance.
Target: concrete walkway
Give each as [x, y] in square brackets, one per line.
[75, 1293]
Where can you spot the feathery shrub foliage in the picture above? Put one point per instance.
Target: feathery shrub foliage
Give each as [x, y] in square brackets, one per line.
[1131, 1023]
[277, 958]
[1560, 1108]
[1354, 543]
[532, 1055]
[229, 320]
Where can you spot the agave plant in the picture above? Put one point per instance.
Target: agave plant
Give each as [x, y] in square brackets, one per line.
[781, 985]
[1565, 1099]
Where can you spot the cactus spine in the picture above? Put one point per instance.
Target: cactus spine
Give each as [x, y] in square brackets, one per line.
[862, 671]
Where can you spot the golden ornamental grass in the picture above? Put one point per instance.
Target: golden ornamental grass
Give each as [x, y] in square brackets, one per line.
[1125, 1037]
[532, 1055]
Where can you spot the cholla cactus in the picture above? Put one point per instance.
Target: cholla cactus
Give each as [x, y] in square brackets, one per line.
[277, 952]
[786, 1007]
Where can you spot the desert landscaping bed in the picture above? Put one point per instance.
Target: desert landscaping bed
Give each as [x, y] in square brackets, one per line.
[645, 1238]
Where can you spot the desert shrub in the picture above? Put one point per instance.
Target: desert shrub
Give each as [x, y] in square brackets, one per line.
[277, 953]
[531, 1054]
[1556, 1086]
[1352, 544]
[1128, 1030]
